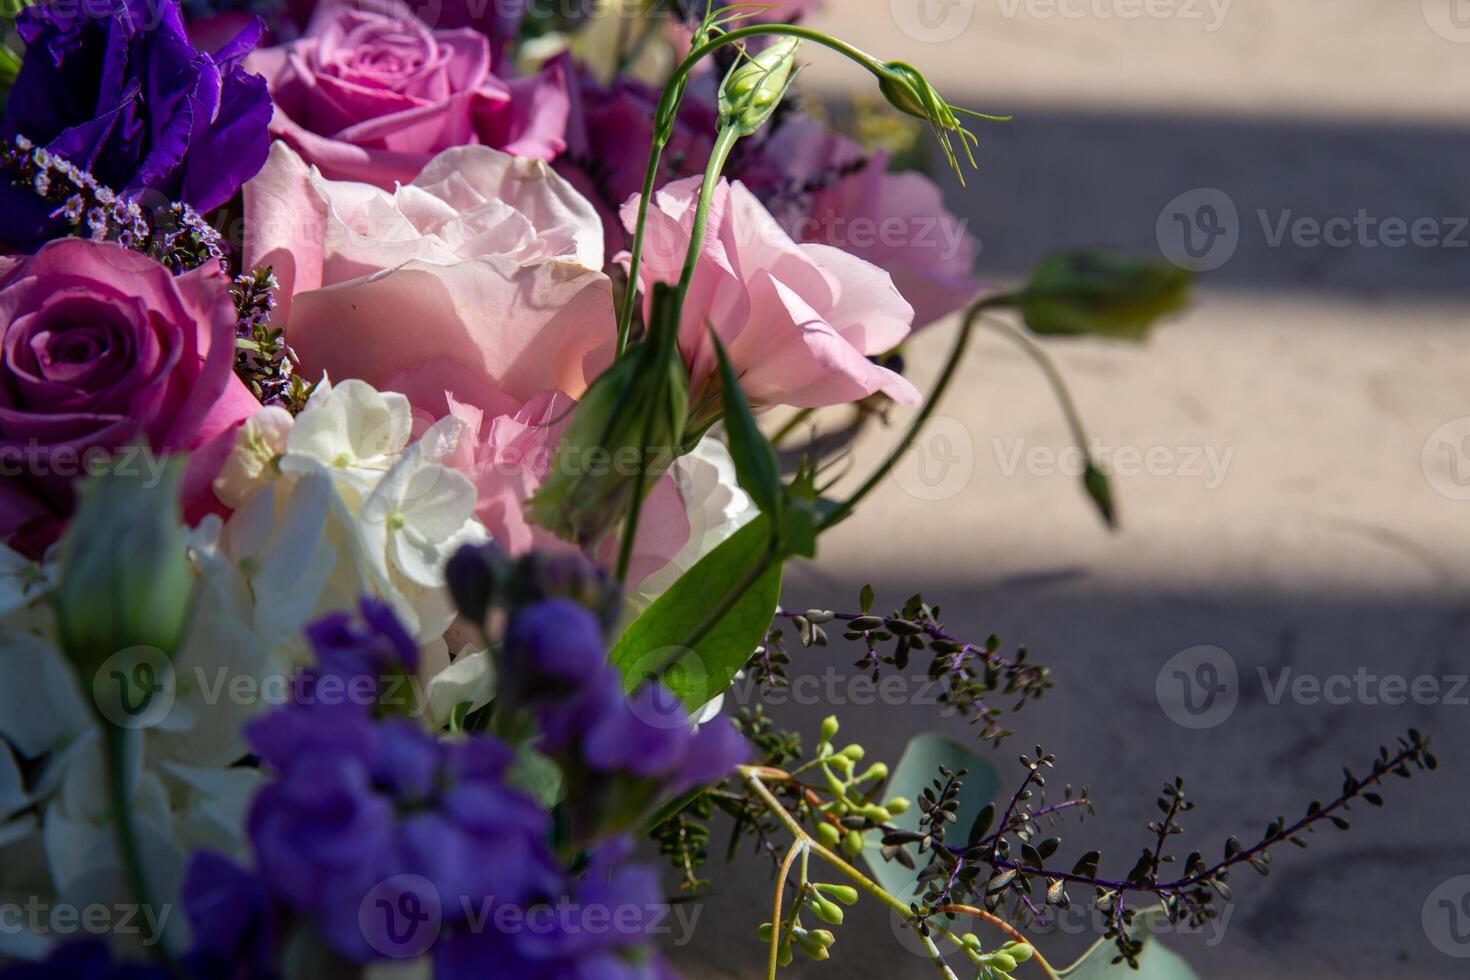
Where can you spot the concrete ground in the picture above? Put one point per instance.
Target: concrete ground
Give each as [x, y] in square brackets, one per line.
[1292, 459]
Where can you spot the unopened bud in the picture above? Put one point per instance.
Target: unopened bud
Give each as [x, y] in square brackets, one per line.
[755, 86]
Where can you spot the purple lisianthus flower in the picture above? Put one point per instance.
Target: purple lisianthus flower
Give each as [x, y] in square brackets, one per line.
[117, 88]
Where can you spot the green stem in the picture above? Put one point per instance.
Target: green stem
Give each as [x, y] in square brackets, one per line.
[724, 143]
[798, 847]
[752, 777]
[118, 745]
[1053, 377]
[951, 366]
[668, 108]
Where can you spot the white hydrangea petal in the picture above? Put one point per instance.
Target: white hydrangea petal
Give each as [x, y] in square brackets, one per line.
[470, 678]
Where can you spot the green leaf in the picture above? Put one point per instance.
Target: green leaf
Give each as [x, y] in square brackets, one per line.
[1155, 962]
[650, 646]
[755, 460]
[537, 776]
[917, 769]
[1097, 293]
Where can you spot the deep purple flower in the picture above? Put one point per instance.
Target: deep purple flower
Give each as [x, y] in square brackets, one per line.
[621, 753]
[366, 814]
[358, 660]
[117, 88]
[553, 650]
[232, 921]
[83, 960]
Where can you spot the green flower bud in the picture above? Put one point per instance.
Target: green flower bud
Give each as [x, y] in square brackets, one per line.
[1003, 962]
[784, 956]
[854, 752]
[852, 844]
[845, 894]
[876, 813]
[827, 835]
[755, 85]
[632, 417]
[811, 946]
[1020, 952]
[971, 941]
[764, 932]
[125, 581]
[842, 765]
[898, 806]
[825, 910]
[829, 728]
[1098, 293]
[876, 773]
[823, 936]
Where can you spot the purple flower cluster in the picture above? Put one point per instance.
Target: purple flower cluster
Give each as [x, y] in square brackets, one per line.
[117, 88]
[389, 842]
[621, 753]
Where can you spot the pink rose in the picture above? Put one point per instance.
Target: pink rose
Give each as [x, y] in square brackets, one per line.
[897, 221]
[104, 348]
[370, 93]
[487, 264]
[799, 321]
[476, 291]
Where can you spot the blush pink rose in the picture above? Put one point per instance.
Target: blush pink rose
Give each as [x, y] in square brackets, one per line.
[486, 263]
[475, 291]
[370, 93]
[104, 348]
[799, 321]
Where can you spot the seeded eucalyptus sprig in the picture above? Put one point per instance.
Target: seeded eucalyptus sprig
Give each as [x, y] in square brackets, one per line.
[966, 673]
[1009, 865]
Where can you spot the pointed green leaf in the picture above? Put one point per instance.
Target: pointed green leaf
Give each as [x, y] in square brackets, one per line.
[650, 645]
[755, 460]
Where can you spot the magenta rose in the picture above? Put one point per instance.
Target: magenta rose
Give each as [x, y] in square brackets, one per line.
[102, 348]
[370, 93]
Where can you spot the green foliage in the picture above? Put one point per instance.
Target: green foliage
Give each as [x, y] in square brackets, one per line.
[652, 645]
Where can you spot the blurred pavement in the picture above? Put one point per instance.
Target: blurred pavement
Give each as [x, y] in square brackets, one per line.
[1292, 457]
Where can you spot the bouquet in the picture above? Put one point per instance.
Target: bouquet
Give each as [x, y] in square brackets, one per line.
[403, 413]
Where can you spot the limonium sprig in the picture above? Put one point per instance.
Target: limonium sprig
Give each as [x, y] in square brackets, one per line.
[173, 233]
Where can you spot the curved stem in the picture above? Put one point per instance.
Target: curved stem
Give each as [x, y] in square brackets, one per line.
[1053, 377]
[798, 847]
[951, 366]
